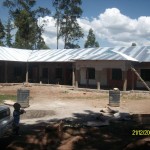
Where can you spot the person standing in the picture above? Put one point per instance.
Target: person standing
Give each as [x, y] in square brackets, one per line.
[16, 117]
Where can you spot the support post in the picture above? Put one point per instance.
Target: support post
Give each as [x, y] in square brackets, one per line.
[144, 83]
[97, 77]
[6, 72]
[27, 74]
[48, 75]
[77, 78]
[73, 76]
[40, 74]
[64, 74]
[87, 77]
[125, 80]
[132, 80]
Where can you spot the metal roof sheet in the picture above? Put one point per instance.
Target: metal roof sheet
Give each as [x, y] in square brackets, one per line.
[13, 54]
[133, 53]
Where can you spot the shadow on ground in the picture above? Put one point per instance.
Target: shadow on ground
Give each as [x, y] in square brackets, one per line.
[75, 134]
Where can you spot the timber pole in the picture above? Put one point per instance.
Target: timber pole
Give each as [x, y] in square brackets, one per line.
[140, 78]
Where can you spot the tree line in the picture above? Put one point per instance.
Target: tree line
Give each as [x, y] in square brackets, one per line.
[23, 19]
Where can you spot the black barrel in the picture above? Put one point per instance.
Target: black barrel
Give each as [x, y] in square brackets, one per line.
[23, 97]
[114, 98]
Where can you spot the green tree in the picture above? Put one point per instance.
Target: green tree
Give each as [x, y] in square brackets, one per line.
[2, 33]
[8, 36]
[25, 20]
[67, 13]
[40, 41]
[91, 40]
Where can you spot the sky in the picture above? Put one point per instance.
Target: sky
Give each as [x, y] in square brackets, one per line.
[114, 22]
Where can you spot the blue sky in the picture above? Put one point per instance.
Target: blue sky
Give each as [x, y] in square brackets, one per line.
[92, 8]
[132, 8]
[115, 22]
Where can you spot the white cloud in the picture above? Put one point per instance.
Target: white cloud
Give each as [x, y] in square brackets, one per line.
[50, 32]
[111, 26]
[119, 29]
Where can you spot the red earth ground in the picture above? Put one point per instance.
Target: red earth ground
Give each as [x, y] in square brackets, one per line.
[56, 119]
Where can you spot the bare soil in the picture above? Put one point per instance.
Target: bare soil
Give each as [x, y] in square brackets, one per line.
[42, 128]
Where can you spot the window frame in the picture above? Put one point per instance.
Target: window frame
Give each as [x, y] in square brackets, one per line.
[116, 74]
[145, 75]
[90, 73]
[58, 73]
[44, 72]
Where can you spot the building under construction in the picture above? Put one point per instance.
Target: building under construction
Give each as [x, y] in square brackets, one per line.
[126, 68]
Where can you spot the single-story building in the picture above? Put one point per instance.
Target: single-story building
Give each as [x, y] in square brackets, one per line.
[103, 67]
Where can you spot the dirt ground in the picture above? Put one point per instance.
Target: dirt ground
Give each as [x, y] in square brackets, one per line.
[55, 117]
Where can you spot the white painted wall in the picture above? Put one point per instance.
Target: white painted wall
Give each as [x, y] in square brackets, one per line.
[92, 82]
[103, 77]
[82, 75]
[99, 66]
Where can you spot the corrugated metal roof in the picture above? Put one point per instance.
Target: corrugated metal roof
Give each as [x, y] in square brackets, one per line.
[133, 53]
[12, 54]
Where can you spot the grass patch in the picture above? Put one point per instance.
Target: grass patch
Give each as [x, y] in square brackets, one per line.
[7, 97]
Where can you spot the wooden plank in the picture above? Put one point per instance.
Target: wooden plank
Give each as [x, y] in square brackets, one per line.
[144, 83]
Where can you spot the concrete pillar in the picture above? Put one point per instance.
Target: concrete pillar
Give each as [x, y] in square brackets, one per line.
[124, 80]
[87, 78]
[40, 73]
[64, 74]
[27, 72]
[48, 75]
[132, 80]
[73, 76]
[77, 78]
[98, 78]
